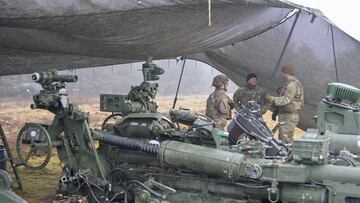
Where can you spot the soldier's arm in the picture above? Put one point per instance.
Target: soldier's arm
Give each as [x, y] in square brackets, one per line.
[222, 105]
[236, 98]
[266, 106]
[288, 96]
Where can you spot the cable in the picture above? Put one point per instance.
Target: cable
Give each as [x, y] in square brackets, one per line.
[252, 186]
[113, 198]
[122, 179]
[344, 158]
[103, 125]
[92, 192]
[146, 187]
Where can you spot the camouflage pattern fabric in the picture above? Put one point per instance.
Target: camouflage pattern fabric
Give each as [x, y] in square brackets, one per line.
[247, 93]
[291, 97]
[287, 129]
[289, 103]
[218, 108]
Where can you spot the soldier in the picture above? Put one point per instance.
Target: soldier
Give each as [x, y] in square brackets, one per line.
[250, 92]
[219, 105]
[289, 103]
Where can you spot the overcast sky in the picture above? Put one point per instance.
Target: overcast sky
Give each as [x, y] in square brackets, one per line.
[344, 13]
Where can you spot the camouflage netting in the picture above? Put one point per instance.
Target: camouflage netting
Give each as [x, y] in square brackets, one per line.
[245, 35]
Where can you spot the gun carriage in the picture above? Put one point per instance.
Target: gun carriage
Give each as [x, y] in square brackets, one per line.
[146, 157]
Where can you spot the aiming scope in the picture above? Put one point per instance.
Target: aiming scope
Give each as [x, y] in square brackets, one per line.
[151, 71]
[48, 77]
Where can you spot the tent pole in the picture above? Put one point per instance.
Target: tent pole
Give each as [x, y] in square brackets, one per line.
[334, 54]
[281, 56]
[284, 48]
[178, 86]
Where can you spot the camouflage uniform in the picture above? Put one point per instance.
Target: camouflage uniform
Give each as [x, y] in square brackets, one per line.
[248, 93]
[289, 103]
[218, 108]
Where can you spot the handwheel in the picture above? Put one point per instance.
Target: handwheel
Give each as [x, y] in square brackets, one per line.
[112, 116]
[33, 145]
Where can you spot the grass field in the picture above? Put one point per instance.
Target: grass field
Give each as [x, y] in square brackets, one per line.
[41, 186]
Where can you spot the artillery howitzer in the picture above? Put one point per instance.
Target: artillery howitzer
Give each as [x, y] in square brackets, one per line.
[145, 157]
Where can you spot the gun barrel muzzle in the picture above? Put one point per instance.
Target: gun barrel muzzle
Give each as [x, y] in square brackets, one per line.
[52, 76]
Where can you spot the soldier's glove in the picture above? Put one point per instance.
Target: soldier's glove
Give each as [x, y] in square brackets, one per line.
[274, 114]
[269, 98]
[231, 104]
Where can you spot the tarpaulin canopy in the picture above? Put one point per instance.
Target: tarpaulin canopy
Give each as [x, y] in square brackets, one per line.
[244, 36]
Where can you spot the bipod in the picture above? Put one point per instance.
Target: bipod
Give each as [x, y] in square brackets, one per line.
[10, 158]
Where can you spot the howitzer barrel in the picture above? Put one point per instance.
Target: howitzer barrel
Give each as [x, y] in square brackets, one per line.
[335, 173]
[235, 166]
[52, 76]
[232, 165]
[201, 159]
[183, 155]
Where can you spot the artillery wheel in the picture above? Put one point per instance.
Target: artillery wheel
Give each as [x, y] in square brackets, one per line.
[33, 145]
[5, 180]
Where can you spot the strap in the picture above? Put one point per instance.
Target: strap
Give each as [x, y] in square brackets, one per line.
[298, 94]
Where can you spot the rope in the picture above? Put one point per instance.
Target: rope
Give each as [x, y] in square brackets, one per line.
[209, 11]
[334, 54]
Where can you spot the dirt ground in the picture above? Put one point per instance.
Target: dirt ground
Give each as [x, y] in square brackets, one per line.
[41, 186]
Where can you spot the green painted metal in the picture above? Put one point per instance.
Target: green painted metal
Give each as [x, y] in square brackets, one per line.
[6, 195]
[145, 157]
[345, 141]
[139, 98]
[201, 159]
[338, 117]
[10, 197]
[343, 91]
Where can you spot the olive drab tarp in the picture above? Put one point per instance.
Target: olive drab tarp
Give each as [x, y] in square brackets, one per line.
[244, 36]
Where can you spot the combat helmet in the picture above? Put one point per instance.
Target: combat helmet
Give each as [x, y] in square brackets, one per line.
[220, 80]
[288, 69]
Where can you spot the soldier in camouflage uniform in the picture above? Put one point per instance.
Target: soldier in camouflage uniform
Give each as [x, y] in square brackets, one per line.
[219, 105]
[250, 92]
[289, 103]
